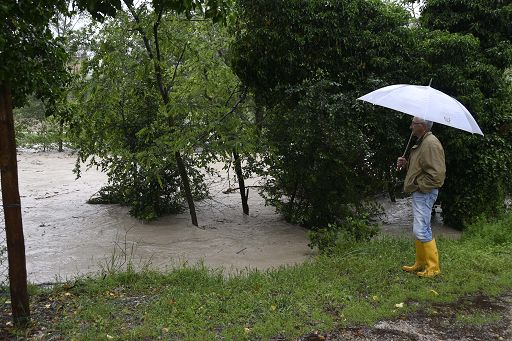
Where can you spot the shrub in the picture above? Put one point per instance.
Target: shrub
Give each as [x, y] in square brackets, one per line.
[344, 234]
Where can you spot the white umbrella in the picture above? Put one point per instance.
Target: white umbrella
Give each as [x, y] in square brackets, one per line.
[424, 102]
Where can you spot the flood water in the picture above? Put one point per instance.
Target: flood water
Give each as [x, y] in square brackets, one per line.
[65, 237]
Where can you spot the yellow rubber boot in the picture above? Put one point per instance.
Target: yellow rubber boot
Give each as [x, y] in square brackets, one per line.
[419, 264]
[432, 260]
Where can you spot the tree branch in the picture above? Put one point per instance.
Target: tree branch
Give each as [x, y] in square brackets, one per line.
[171, 85]
[240, 100]
[155, 34]
[139, 28]
[158, 66]
[232, 93]
[233, 108]
[156, 62]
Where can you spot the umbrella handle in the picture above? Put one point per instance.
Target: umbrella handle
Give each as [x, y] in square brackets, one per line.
[407, 147]
[408, 144]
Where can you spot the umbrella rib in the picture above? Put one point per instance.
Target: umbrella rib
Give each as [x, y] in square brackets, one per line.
[471, 120]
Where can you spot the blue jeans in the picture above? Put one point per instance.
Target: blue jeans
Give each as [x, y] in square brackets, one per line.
[422, 204]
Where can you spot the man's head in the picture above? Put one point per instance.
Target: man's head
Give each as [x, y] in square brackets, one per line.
[420, 126]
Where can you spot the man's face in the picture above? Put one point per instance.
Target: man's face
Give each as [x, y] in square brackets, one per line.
[418, 127]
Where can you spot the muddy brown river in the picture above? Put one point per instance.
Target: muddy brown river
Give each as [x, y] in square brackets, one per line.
[65, 237]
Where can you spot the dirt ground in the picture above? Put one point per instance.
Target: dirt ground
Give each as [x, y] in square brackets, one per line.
[440, 322]
[436, 323]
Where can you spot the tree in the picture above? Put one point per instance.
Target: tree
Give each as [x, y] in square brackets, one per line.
[123, 119]
[34, 128]
[33, 61]
[147, 19]
[306, 62]
[467, 52]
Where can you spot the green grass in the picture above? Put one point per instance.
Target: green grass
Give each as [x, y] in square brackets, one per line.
[478, 319]
[358, 285]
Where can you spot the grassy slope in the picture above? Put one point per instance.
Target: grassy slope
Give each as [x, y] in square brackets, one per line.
[359, 284]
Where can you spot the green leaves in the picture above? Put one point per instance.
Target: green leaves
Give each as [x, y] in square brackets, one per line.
[124, 119]
[101, 9]
[33, 61]
[467, 52]
[306, 62]
[325, 150]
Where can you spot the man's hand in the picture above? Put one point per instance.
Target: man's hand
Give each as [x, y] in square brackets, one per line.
[401, 163]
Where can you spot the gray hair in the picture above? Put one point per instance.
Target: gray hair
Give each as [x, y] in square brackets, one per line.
[427, 123]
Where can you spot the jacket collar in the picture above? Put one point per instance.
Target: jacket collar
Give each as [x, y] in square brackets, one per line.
[420, 140]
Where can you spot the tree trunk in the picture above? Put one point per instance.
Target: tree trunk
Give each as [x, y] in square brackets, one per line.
[241, 184]
[186, 184]
[61, 132]
[12, 212]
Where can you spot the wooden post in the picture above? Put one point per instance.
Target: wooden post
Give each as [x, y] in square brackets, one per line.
[12, 212]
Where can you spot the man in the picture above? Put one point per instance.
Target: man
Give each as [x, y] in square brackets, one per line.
[425, 175]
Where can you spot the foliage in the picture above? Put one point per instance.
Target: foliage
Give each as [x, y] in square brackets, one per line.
[321, 153]
[34, 129]
[358, 285]
[467, 52]
[34, 65]
[343, 235]
[123, 120]
[33, 61]
[306, 69]
[485, 232]
[149, 31]
[216, 10]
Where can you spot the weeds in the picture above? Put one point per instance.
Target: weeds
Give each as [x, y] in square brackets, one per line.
[122, 258]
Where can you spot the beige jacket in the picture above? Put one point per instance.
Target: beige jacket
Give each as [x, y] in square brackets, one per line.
[426, 168]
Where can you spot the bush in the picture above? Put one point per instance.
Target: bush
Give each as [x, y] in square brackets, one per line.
[343, 235]
[34, 129]
[148, 189]
[322, 153]
[467, 56]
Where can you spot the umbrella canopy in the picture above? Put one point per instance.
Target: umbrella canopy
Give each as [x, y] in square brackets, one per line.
[424, 102]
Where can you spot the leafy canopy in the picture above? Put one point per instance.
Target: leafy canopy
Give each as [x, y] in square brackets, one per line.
[216, 10]
[33, 60]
